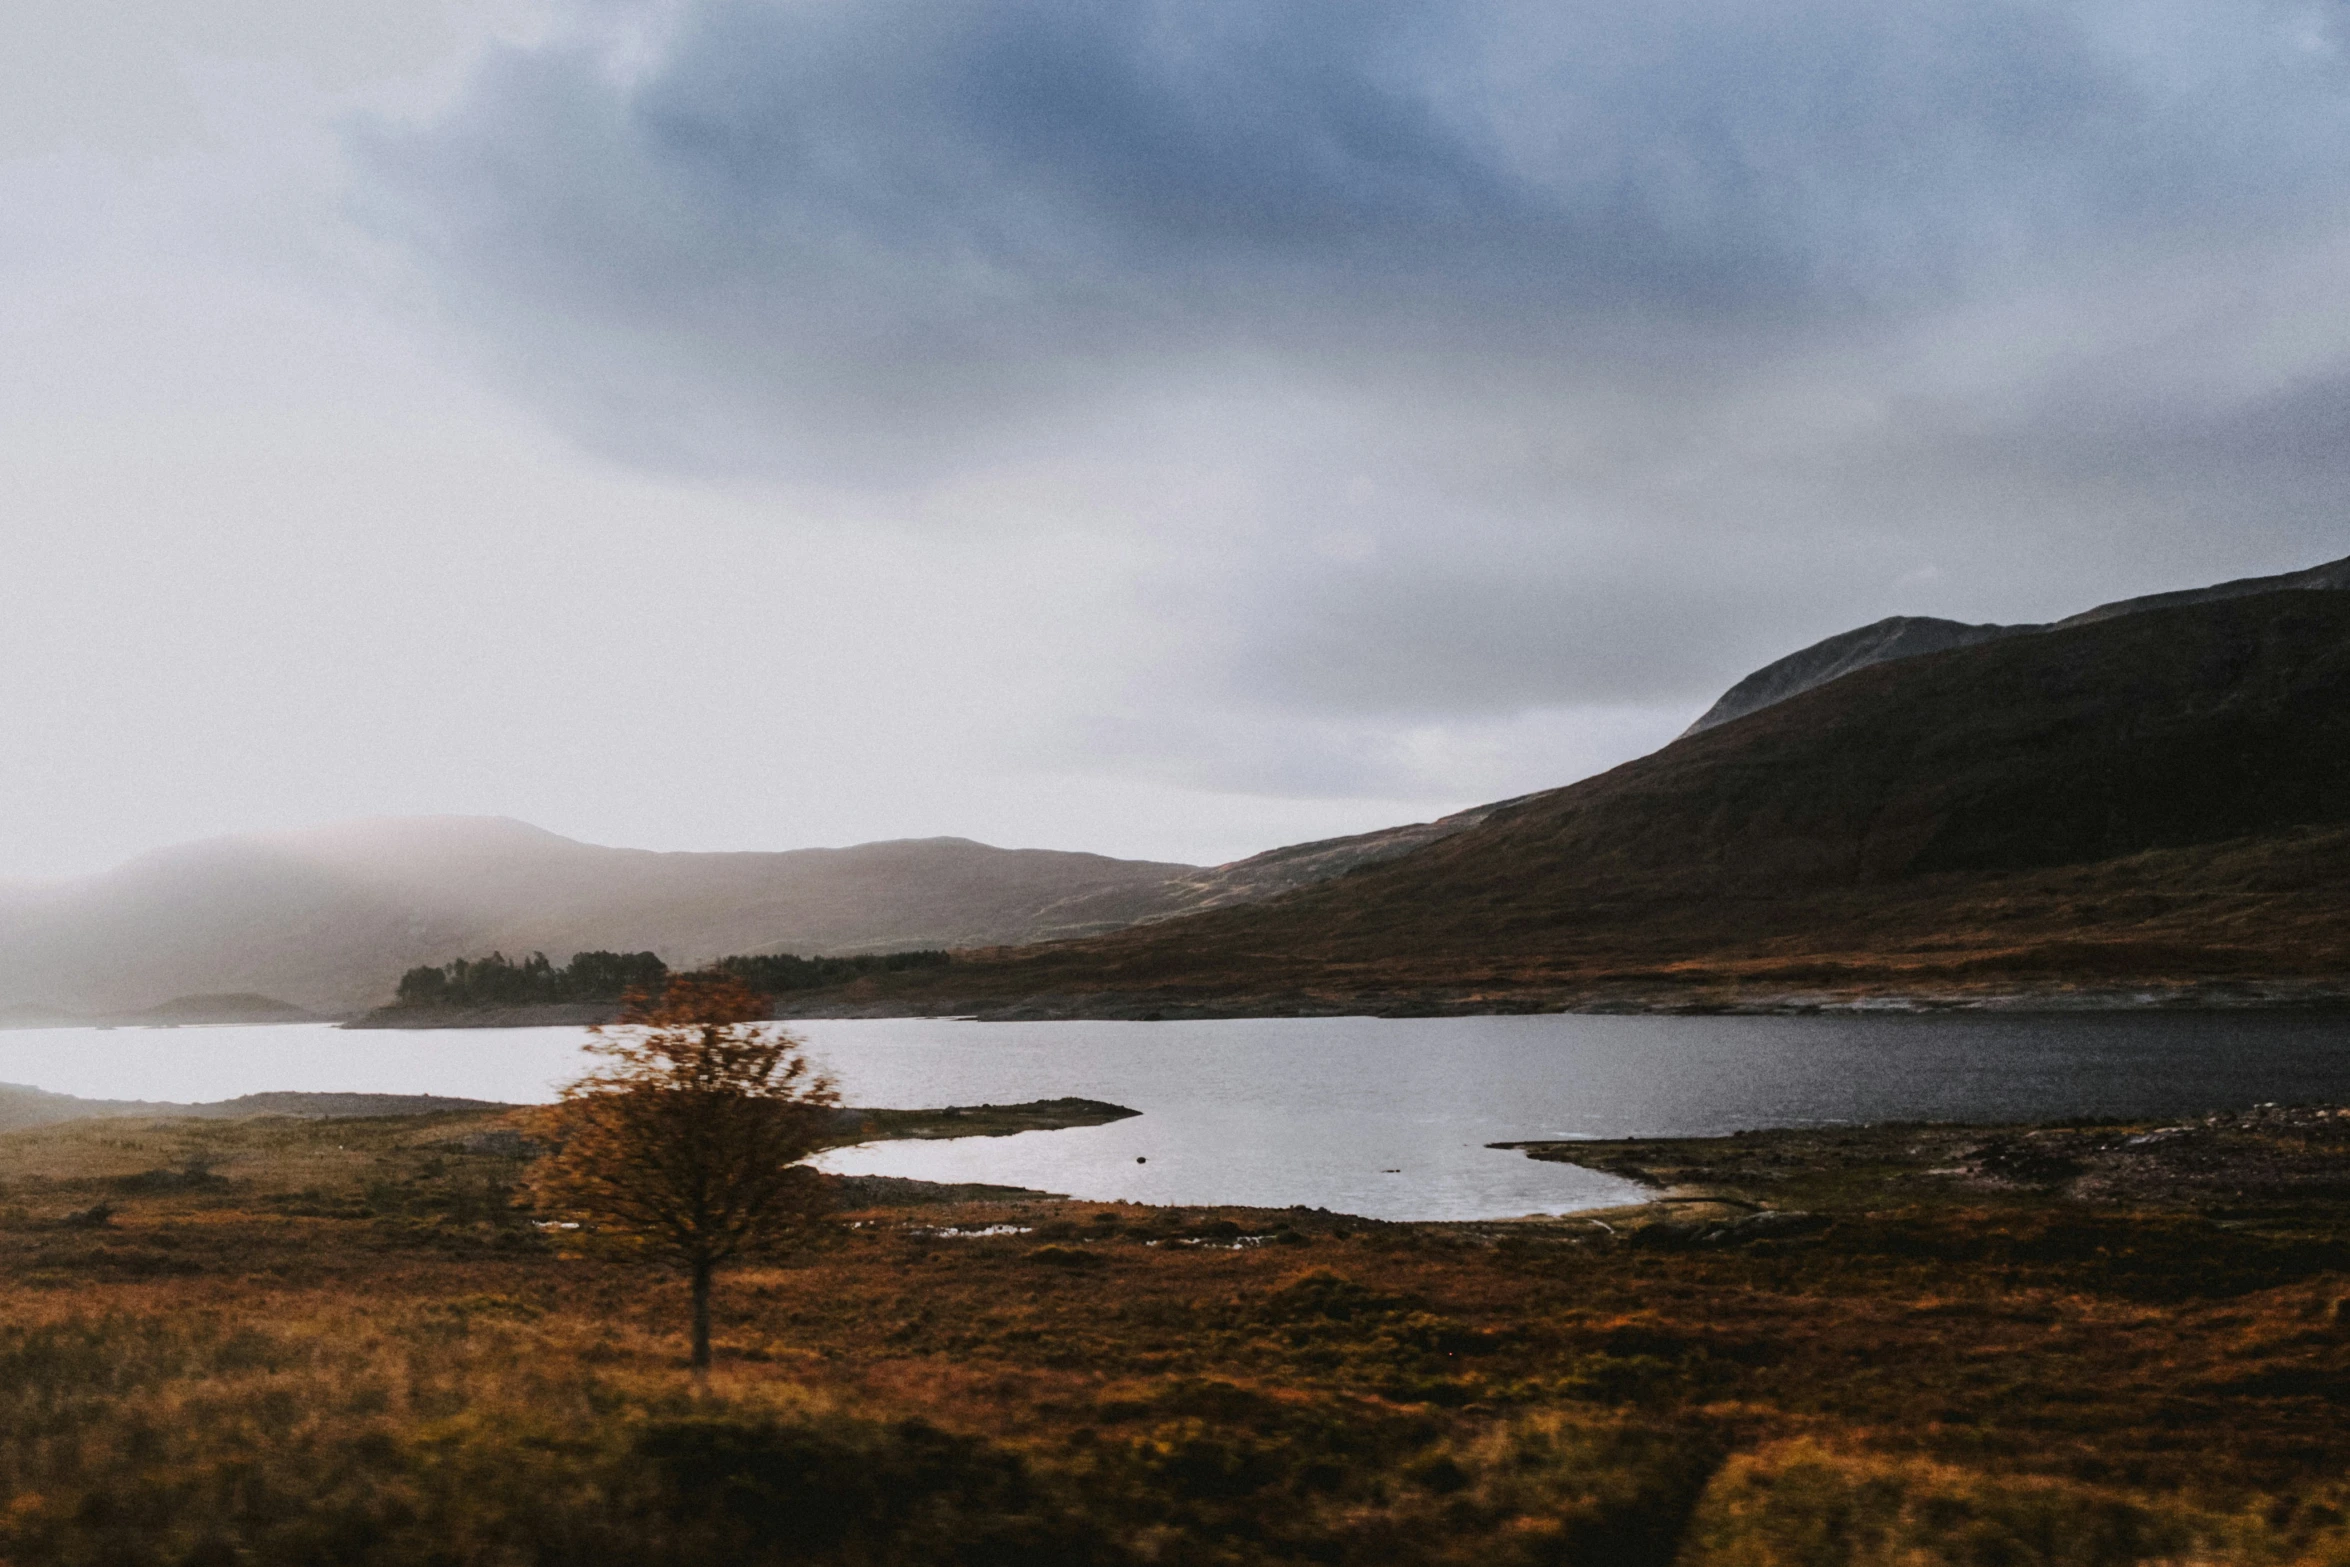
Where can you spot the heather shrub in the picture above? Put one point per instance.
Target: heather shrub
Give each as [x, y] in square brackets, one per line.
[1801, 1505]
[462, 1435]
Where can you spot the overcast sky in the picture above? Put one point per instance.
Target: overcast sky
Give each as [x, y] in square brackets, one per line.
[1167, 429]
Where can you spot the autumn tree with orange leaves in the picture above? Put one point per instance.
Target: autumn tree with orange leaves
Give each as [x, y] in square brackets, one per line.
[689, 1141]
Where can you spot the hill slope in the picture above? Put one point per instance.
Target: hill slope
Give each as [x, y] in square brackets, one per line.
[1908, 636]
[2153, 798]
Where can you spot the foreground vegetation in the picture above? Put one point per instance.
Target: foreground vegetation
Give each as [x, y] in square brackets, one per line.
[308, 1341]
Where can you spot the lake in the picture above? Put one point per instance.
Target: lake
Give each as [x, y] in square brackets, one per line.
[1386, 1118]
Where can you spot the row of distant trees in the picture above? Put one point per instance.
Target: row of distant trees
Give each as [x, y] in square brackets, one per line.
[501, 981]
[773, 973]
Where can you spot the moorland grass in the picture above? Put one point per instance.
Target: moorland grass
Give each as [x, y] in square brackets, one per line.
[341, 1342]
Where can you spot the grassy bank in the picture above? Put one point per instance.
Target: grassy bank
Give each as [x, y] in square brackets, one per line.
[286, 1341]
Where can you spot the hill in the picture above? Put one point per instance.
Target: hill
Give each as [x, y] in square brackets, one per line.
[1913, 804]
[2156, 799]
[326, 919]
[242, 1007]
[1908, 636]
[22, 1107]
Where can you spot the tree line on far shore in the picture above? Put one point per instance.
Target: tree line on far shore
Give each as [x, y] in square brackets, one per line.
[501, 981]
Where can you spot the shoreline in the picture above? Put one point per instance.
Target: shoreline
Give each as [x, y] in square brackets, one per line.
[2210, 996]
[1725, 999]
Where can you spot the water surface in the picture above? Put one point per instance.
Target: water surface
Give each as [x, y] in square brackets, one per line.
[1383, 1117]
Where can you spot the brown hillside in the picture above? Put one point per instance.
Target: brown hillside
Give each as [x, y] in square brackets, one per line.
[2159, 799]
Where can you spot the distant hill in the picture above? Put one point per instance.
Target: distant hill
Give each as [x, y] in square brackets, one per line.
[1909, 636]
[328, 918]
[237, 1007]
[241, 1007]
[22, 1107]
[2158, 798]
[2152, 787]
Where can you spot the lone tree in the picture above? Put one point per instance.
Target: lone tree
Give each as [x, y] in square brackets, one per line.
[688, 1141]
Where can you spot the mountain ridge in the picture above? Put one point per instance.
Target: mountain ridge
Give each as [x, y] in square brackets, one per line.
[1913, 636]
[2155, 802]
[327, 917]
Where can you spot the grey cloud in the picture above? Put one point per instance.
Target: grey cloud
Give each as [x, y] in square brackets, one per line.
[803, 233]
[1672, 335]
[1474, 636]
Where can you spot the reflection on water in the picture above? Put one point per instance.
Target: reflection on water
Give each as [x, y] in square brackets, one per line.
[1386, 1118]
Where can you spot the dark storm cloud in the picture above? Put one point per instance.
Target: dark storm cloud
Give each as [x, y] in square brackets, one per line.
[1646, 311]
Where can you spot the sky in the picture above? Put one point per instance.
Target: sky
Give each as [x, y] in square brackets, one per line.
[1168, 429]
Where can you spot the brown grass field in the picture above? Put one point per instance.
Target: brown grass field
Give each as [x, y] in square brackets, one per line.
[284, 1341]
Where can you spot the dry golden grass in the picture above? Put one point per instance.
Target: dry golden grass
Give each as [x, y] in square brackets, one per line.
[330, 1342]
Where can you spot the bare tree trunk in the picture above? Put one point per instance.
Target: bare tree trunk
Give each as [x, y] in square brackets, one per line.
[701, 1316]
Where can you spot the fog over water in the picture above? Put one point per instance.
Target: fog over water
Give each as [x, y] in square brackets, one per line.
[1380, 1117]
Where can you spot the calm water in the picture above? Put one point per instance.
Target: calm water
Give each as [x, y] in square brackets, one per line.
[1387, 1118]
